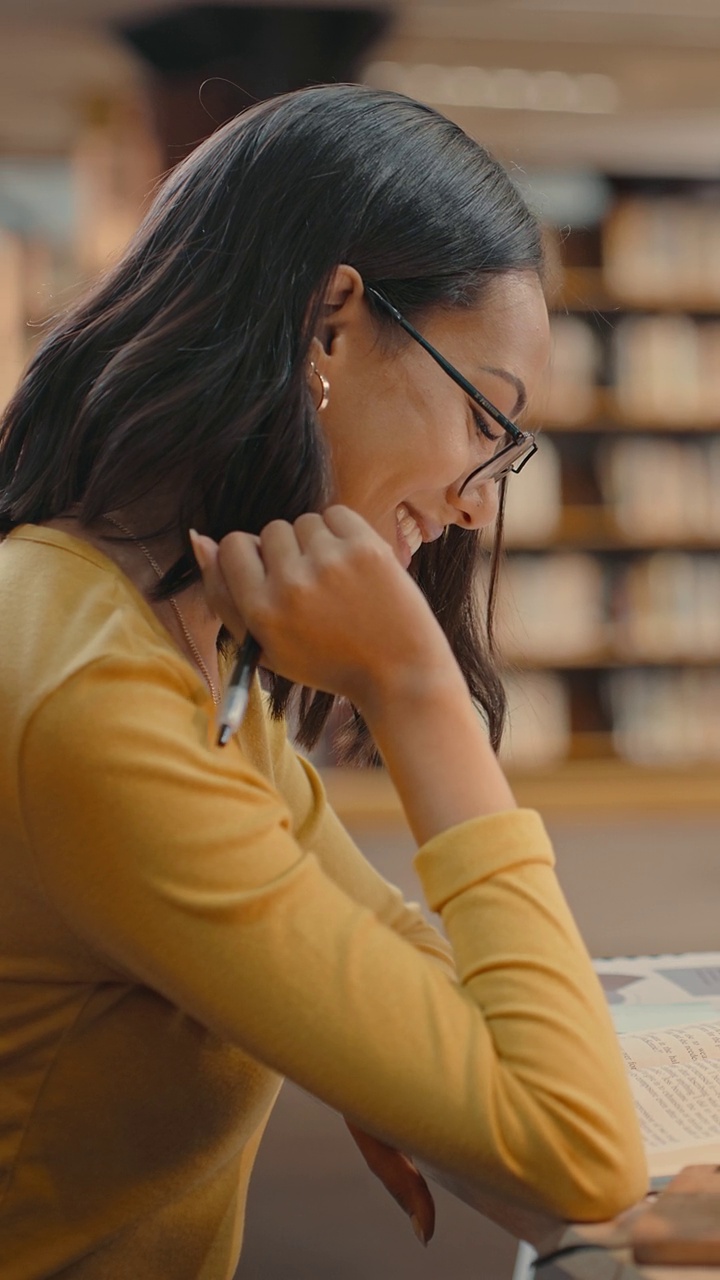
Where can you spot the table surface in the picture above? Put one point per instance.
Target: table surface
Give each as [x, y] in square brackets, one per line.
[610, 1259]
[614, 1261]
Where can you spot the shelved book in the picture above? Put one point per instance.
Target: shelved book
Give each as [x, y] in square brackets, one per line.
[539, 725]
[551, 608]
[12, 315]
[666, 1010]
[575, 364]
[667, 608]
[667, 369]
[564, 606]
[662, 249]
[660, 488]
[666, 717]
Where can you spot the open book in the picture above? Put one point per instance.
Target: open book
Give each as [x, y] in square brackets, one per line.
[667, 1012]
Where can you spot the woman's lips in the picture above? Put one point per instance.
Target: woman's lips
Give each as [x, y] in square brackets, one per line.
[414, 529]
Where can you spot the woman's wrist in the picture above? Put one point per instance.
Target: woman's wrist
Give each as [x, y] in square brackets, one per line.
[410, 690]
[437, 753]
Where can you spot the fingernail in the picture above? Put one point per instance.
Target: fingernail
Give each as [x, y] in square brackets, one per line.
[418, 1229]
[198, 548]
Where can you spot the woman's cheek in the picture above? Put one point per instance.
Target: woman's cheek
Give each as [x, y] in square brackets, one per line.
[490, 499]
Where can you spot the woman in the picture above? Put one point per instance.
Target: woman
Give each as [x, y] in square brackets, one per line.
[185, 924]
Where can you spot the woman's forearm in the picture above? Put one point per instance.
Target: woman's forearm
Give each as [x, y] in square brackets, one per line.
[438, 755]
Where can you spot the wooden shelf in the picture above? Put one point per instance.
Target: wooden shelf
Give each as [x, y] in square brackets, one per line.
[613, 660]
[592, 786]
[607, 417]
[573, 789]
[584, 289]
[593, 528]
[578, 542]
[606, 424]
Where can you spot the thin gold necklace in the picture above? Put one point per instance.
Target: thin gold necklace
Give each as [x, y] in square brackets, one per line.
[172, 601]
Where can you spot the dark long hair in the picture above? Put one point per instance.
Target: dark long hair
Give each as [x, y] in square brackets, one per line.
[185, 366]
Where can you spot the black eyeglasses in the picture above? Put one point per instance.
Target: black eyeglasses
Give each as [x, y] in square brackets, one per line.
[508, 457]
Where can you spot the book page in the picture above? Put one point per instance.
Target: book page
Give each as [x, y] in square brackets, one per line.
[678, 1106]
[672, 1046]
[666, 1008]
[675, 1081]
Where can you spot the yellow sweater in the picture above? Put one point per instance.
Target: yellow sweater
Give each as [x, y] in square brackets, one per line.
[181, 926]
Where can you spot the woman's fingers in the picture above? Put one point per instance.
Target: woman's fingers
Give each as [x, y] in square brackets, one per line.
[312, 532]
[279, 546]
[328, 602]
[242, 552]
[346, 523]
[400, 1177]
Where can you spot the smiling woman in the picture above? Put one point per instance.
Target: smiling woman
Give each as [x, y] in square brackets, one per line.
[312, 352]
[189, 361]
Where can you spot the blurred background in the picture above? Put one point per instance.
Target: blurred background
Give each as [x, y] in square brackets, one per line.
[607, 113]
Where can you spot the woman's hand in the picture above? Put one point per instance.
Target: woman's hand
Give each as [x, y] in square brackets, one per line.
[332, 609]
[330, 605]
[401, 1178]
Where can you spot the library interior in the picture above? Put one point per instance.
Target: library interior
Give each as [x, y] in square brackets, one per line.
[607, 115]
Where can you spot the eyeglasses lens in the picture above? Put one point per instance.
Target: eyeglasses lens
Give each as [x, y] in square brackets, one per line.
[508, 457]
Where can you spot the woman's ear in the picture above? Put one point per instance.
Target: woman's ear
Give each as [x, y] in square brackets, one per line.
[343, 305]
[345, 284]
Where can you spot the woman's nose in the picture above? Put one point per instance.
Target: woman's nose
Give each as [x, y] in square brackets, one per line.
[477, 505]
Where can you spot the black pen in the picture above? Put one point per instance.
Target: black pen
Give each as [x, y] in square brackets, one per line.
[238, 691]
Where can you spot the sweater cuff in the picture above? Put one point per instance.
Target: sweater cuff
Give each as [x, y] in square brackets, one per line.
[474, 851]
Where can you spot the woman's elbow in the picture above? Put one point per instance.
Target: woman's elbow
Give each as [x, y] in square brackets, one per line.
[596, 1183]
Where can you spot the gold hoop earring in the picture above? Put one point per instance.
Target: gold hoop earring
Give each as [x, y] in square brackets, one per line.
[324, 388]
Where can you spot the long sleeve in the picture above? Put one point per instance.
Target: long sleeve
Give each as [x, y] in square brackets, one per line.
[317, 829]
[176, 863]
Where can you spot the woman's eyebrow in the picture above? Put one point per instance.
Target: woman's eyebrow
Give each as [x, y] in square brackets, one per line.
[514, 381]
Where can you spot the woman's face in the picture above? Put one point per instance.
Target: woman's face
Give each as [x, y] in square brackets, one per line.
[402, 434]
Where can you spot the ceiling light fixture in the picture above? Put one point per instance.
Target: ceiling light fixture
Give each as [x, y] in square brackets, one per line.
[498, 88]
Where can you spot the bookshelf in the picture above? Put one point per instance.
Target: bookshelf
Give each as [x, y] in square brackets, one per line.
[585, 289]
[65, 214]
[610, 616]
[578, 789]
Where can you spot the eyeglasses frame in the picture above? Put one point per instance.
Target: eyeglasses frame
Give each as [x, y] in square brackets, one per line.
[518, 436]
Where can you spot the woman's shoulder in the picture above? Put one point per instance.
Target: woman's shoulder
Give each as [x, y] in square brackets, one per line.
[64, 609]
